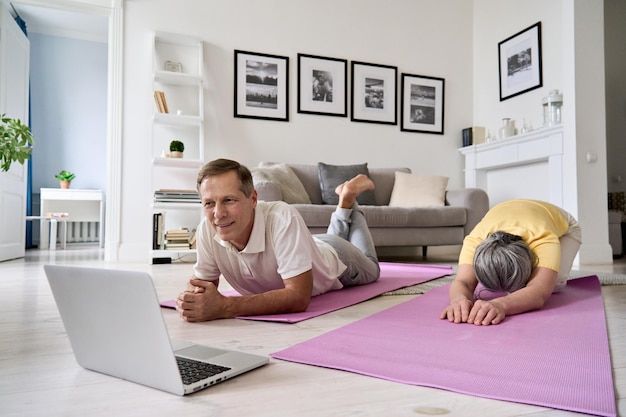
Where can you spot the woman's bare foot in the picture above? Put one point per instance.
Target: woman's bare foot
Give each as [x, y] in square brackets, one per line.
[350, 190]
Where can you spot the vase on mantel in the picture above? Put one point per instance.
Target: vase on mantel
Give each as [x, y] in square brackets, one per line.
[507, 129]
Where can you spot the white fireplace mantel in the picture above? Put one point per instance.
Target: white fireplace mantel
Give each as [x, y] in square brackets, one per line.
[522, 166]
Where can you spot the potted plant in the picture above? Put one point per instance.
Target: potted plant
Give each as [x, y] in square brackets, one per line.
[16, 142]
[65, 177]
[176, 149]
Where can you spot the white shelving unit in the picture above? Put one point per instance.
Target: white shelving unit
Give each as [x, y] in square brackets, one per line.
[178, 71]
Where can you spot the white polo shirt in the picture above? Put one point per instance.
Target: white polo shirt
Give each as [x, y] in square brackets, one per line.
[280, 247]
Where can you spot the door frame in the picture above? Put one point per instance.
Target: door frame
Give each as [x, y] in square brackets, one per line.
[113, 9]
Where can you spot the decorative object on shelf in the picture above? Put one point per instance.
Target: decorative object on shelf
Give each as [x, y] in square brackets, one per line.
[176, 149]
[519, 58]
[65, 178]
[173, 66]
[552, 104]
[374, 92]
[422, 104]
[507, 129]
[489, 137]
[261, 86]
[16, 142]
[322, 85]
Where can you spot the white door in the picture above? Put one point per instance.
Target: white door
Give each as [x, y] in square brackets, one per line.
[14, 70]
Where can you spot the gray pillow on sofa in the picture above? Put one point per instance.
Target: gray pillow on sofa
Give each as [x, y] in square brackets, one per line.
[333, 175]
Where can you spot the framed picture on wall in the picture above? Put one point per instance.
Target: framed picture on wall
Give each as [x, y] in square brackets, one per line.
[374, 93]
[261, 86]
[322, 85]
[422, 104]
[519, 58]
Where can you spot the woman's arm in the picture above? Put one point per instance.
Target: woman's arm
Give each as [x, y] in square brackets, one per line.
[461, 295]
[532, 297]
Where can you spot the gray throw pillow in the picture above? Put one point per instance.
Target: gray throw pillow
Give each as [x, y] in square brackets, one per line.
[333, 175]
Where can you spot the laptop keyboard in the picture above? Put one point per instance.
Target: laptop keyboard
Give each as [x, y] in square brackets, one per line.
[193, 371]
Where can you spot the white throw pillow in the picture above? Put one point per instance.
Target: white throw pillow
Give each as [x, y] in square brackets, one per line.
[411, 190]
[290, 185]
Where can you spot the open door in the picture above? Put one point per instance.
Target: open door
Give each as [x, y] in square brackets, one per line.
[14, 73]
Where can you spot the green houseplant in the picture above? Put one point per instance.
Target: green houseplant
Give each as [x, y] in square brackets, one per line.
[16, 142]
[176, 149]
[65, 177]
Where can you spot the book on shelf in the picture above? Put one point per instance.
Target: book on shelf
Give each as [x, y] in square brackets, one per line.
[161, 103]
[157, 231]
[192, 240]
[473, 135]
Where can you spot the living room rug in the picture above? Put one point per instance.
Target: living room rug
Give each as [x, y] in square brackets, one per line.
[605, 278]
[557, 357]
[392, 276]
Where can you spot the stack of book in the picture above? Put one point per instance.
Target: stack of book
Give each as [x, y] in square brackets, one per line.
[176, 196]
[177, 239]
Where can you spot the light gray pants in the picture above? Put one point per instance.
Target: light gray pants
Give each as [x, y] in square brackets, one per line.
[350, 236]
[570, 243]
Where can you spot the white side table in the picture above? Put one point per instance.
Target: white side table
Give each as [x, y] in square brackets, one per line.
[83, 206]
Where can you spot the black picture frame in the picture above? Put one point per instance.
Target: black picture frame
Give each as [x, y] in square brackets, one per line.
[374, 93]
[422, 104]
[261, 86]
[322, 85]
[519, 62]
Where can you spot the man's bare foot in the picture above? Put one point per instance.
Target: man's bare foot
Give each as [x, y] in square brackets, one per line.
[350, 190]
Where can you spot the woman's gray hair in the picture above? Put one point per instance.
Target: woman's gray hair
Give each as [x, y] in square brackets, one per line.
[503, 262]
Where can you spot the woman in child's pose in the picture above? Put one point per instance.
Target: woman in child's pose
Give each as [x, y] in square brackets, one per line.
[524, 248]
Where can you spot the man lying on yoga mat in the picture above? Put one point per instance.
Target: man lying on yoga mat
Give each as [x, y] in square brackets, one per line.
[266, 252]
[524, 248]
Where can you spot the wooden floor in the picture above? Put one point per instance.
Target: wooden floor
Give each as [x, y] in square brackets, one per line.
[39, 376]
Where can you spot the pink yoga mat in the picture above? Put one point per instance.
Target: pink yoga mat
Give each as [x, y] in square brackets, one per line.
[392, 277]
[556, 357]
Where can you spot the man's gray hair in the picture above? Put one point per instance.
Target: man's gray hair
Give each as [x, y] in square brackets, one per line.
[503, 262]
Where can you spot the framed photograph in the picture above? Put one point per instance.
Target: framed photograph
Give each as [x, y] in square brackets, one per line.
[519, 59]
[422, 104]
[261, 86]
[322, 85]
[374, 93]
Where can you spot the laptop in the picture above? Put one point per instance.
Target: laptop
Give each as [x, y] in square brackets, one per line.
[114, 323]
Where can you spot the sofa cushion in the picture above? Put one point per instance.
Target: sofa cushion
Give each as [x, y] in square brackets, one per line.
[318, 216]
[410, 190]
[330, 176]
[291, 187]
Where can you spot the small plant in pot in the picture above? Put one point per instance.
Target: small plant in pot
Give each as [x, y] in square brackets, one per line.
[16, 142]
[65, 177]
[176, 149]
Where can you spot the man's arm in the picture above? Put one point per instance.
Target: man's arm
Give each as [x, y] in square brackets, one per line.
[206, 303]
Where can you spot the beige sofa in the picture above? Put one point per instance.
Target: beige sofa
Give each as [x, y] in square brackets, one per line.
[390, 226]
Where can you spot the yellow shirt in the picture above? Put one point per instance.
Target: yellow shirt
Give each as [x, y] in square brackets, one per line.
[538, 223]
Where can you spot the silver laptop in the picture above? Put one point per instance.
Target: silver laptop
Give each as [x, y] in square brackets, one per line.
[114, 323]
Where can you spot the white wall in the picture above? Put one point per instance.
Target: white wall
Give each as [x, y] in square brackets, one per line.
[68, 110]
[573, 58]
[418, 36]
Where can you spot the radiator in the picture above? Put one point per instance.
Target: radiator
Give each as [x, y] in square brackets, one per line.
[80, 232]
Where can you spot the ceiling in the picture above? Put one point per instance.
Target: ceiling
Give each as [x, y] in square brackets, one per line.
[57, 22]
